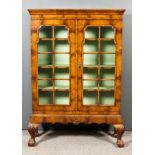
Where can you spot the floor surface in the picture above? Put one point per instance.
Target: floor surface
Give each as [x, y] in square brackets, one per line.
[77, 143]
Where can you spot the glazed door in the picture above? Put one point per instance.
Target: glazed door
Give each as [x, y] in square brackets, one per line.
[99, 65]
[54, 60]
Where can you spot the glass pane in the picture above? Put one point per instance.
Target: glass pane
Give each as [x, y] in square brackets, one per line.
[45, 83]
[90, 84]
[107, 32]
[62, 84]
[44, 59]
[44, 73]
[107, 98]
[107, 73]
[45, 32]
[90, 73]
[89, 98]
[91, 46]
[61, 73]
[107, 59]
[45, 98]
[44, 46]
[61, 32]
[62, 98]
[90, 59]
[61, 59]
[91, 32]
[107, 46]
[107, 84]
[61, 46]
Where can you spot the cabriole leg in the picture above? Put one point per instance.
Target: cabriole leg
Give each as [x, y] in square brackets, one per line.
[33, 131]
[118, 132]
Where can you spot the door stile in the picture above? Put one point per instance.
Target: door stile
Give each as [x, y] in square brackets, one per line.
[80, 36]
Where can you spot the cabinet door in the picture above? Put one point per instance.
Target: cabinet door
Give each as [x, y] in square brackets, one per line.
[99, 65]
[53, 65]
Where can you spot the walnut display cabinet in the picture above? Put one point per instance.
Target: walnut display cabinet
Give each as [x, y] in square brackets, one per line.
[76, 63]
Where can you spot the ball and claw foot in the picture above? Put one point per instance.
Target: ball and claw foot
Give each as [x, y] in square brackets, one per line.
[120, 143]
[31, 142]
[33, 131]
[118, 132]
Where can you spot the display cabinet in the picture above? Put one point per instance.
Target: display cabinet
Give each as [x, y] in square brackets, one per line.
[76, 63]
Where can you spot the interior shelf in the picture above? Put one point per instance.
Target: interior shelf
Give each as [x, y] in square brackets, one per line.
[53, 66]
[106, 39]
[85, 66]
[101, 66]
[44, 39]
[99, 53]
[51, 88]
[63, 88]
[88, 88]
[53, 53]
[97, 79]
[53, 79]
[83, 52]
